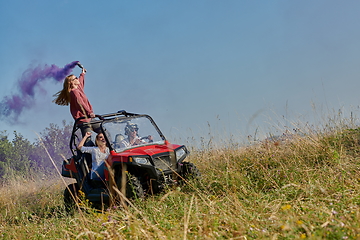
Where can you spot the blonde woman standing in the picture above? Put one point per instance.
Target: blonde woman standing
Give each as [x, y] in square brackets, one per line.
[73, 94]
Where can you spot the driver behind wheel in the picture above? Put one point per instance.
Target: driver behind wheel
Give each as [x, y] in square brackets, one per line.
[131, 131]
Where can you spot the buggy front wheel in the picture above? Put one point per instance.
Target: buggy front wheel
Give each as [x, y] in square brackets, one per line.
[134, 189]
[189, 171]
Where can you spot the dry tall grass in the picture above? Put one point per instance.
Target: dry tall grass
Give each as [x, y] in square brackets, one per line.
[296, 187]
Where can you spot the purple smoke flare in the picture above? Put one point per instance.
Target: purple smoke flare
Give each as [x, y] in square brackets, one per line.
[12, 106]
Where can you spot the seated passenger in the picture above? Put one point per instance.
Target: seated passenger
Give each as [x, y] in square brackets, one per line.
[99, 154]
[131, 130]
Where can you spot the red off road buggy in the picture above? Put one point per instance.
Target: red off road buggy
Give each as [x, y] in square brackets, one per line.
[135, 170]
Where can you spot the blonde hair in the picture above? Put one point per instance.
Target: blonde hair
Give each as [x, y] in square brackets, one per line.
[63, 96]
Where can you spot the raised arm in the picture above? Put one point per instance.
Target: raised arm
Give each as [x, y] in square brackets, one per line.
[82, 99]
[82, 142]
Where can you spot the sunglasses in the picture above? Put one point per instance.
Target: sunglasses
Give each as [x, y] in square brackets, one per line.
[134, 129]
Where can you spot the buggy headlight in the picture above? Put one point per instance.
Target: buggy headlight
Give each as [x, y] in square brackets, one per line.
[141, 160]
[180, 153]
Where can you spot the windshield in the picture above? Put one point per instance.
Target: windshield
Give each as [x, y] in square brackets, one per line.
[131, 132]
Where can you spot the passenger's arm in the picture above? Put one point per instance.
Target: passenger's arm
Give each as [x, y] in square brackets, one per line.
[82, 142]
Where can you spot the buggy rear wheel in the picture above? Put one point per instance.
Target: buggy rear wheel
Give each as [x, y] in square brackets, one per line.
[71, 197]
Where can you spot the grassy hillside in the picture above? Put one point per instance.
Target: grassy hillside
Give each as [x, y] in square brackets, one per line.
[297, 187]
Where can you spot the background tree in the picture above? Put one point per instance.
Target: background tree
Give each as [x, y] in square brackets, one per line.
[14, 155]
[5, 151]
[55, 140]
[20, 157]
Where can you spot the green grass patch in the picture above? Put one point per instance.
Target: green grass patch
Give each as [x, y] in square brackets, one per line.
[306, 187]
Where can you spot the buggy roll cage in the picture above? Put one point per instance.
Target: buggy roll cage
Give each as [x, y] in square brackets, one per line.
[122, 114]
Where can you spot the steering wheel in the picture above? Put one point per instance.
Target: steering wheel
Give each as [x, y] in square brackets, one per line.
[149, 138]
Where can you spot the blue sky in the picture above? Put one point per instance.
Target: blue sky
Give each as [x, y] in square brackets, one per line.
[236, 66]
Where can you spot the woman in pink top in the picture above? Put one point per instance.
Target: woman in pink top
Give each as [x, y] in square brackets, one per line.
[73, 94]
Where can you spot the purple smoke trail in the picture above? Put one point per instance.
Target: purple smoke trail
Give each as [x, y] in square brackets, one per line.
[12, 106]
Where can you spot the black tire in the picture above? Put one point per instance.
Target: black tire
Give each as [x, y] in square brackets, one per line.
[190, 171]
[71, 197]
[134, 189]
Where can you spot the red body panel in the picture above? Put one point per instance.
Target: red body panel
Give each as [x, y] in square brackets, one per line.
[71, 166]
[143, 150]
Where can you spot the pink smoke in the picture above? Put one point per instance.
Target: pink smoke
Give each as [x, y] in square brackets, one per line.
[12, 106]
